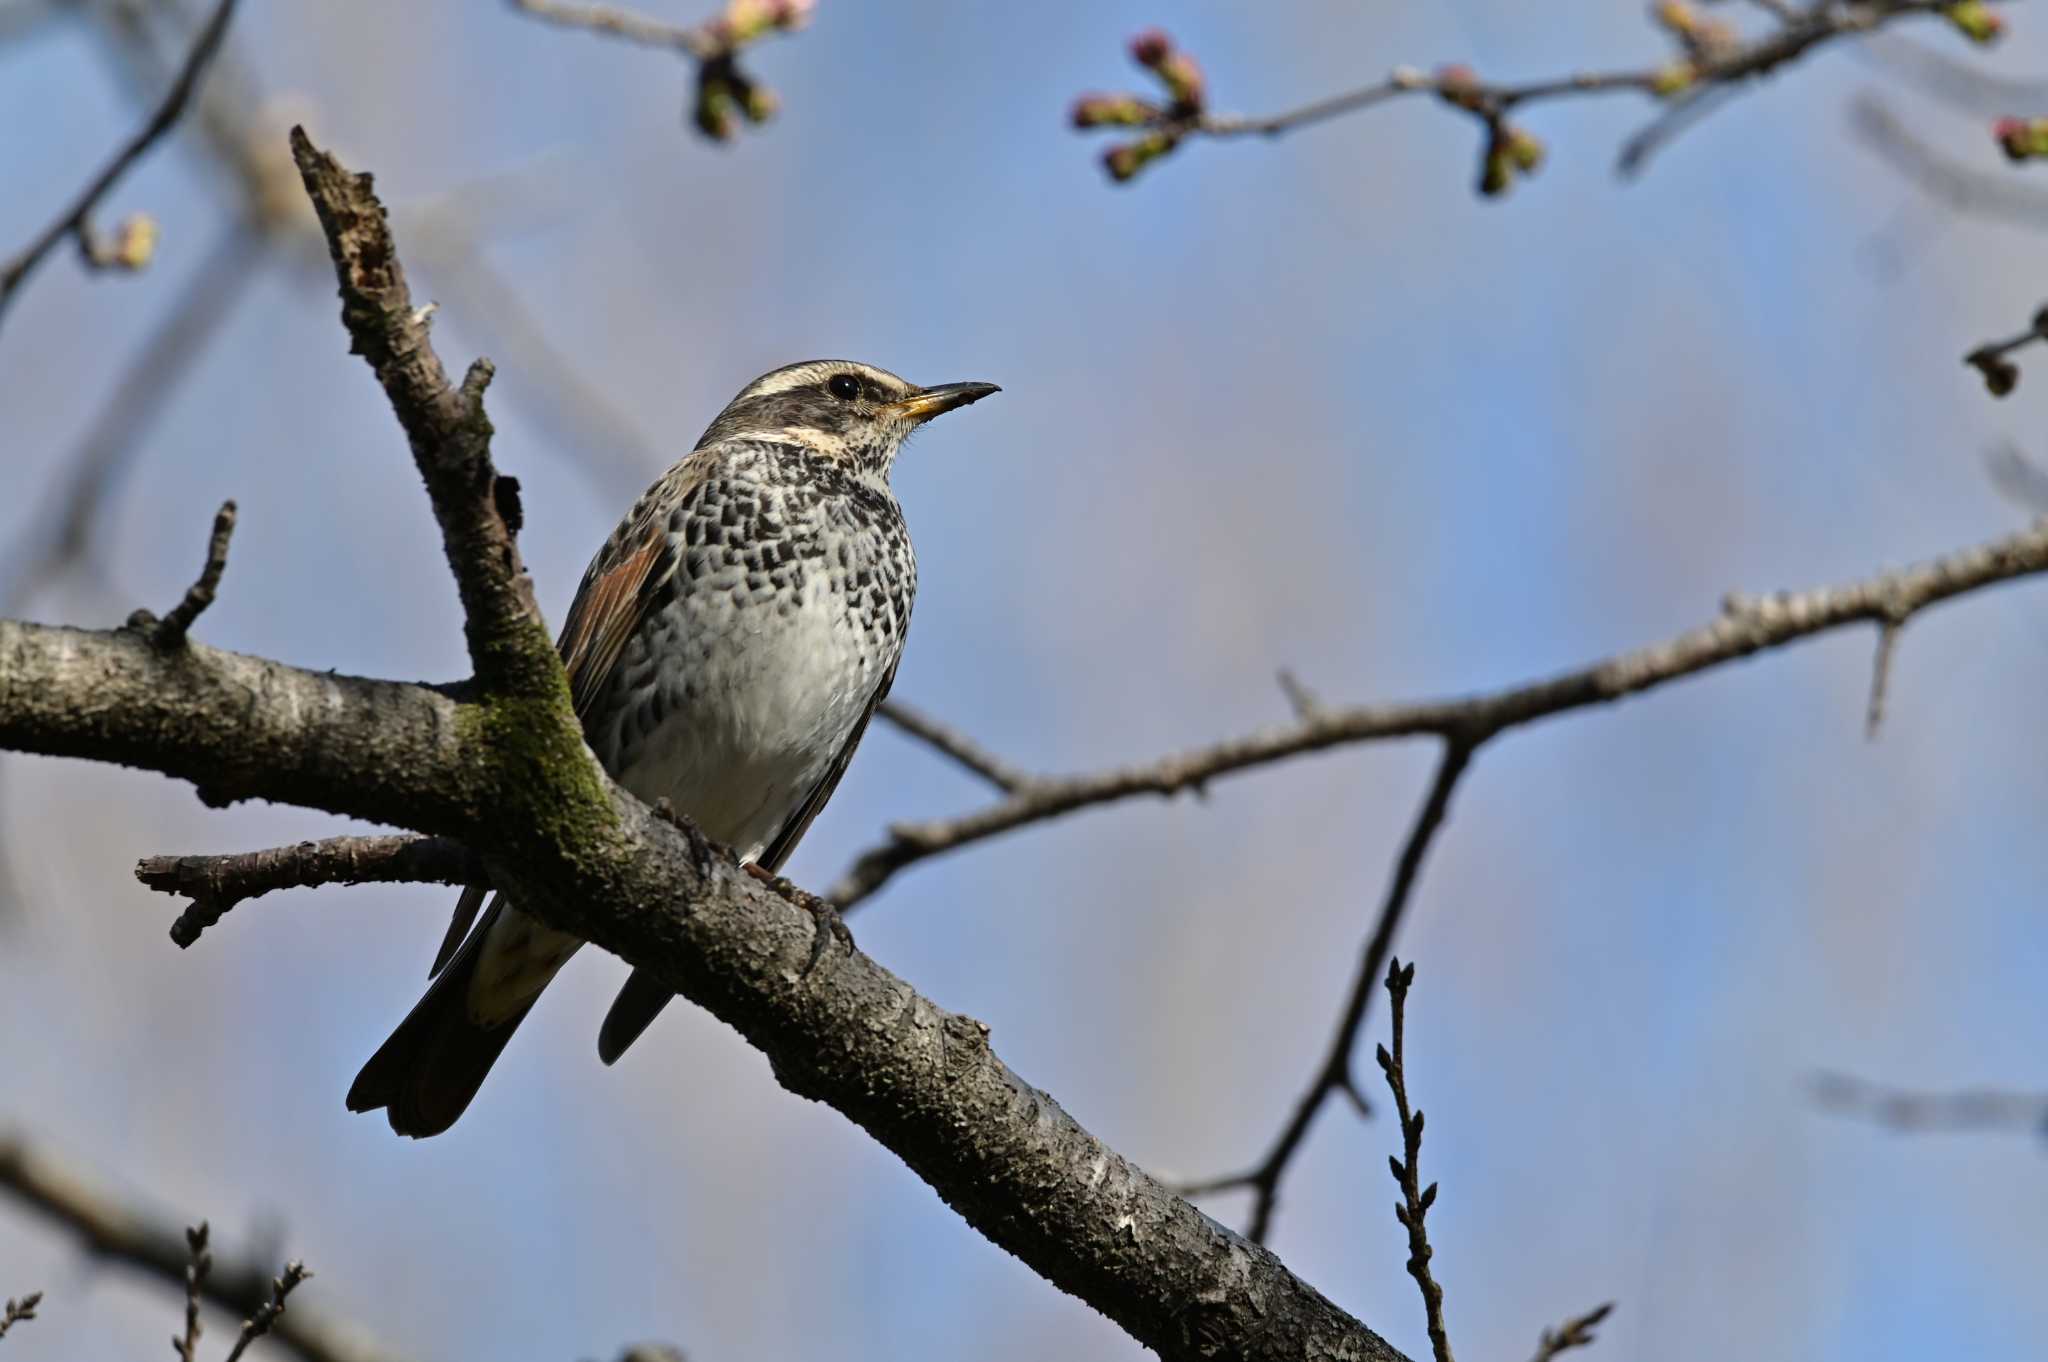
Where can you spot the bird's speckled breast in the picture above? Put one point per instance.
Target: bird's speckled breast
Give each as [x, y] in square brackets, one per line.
[793, 584]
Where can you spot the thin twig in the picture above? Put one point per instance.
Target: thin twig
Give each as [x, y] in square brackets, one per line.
[215, 884]
[1303, 701]
[76, 220]
[16, 1311]
[169, 632]
[265, 1317]
[1407, 80]
[1573, 1333]
[1693, 82]
[693, 40]
[1993, 359]
[1746, 626]
[198, 1265]
[1970, 1109]
[950, 742]
[1335, 1075]
[111, 1227]
[1880, 677]
[1413, 1209]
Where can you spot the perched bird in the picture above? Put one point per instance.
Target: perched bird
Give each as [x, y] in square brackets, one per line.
[725, 651]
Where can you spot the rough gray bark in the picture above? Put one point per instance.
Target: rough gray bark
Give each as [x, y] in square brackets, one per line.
[922, 1080]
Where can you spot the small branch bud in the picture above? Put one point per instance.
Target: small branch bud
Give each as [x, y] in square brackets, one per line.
[1124, 160]
[1113, 111]
[2022, 139]
[1975, 21]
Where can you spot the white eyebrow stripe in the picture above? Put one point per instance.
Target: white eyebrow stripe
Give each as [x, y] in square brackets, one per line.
[806, 375]
[797, 376]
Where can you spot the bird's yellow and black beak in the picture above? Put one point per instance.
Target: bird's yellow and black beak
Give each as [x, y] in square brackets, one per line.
[926, 403]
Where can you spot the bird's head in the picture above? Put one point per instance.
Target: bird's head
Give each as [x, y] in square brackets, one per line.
[840, 409]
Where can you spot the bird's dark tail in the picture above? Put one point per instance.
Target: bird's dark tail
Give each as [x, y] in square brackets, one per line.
[425, 1075]
[638, 1003]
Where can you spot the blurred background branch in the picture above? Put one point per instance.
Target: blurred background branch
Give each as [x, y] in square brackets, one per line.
[135, 242]
[1966, 1111]
[112, 1227]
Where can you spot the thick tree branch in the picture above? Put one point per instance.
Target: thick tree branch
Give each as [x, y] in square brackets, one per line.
[511, 778]
[76, 221]
[1745, 626]
[923, 1081]
[110, 1227]
[216, 884]
[446, 425]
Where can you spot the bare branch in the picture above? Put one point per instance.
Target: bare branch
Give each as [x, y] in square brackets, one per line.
[1970, 1109]
[1713, 60]
[725, 92]
[16, 1311]
[508, 773]
[1573, 1333]
[1303, 701]
[265, 1316]
[923, 1081]
[693, 40]
[198, 1266]
[1413, 1210]
[169, 632]
[1335, 1074]
[950, 742]
[1746, 625]
[110, 1227]
[76, 220]
[449, 432]
[1880, 677]
[216, 884]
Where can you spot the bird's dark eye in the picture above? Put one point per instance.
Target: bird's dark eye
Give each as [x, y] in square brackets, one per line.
[845, 387]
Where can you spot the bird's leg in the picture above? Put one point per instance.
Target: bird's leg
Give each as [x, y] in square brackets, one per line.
[826, 924]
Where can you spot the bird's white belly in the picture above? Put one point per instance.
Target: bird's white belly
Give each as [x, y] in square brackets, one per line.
[756, 701]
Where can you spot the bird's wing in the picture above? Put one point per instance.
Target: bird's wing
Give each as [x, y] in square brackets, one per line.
[621, 582]
[644, 996]
[792, 831]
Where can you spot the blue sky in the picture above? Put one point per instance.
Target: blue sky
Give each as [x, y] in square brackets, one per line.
[1306, 403]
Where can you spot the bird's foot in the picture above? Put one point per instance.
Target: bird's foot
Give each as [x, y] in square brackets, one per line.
[826, 924]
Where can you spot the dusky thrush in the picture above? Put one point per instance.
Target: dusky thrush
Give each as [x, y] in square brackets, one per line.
[725, 651]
